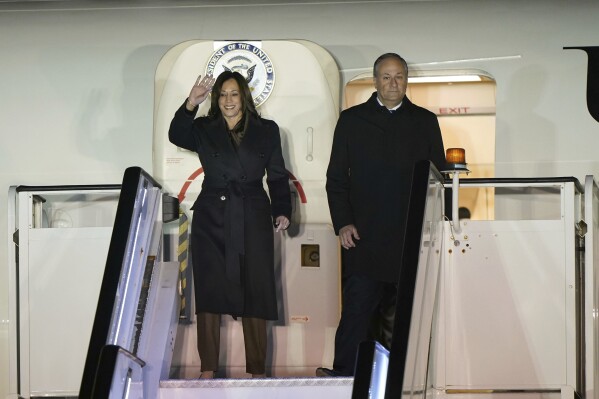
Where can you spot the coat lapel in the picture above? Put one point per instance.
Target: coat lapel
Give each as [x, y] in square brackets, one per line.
[378, 116]
[222, 141]
[250, 142]
[374, 113]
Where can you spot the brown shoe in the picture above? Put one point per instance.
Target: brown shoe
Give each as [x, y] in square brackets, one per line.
[206, 375]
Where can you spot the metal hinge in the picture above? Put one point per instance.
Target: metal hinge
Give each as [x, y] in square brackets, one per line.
[581, 228]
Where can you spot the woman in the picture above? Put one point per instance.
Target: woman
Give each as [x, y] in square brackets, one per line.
[232, 226]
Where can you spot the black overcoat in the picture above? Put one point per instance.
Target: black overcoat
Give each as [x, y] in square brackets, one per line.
[232, 226]
[369, 177]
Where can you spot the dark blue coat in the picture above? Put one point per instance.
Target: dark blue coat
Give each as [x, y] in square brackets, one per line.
[232, 226]
[369, 177]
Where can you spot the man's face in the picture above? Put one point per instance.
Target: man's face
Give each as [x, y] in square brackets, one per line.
[390, 82]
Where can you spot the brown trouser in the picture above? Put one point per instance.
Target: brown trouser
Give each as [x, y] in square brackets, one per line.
[254, 338]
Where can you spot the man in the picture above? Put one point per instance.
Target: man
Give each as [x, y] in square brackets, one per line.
[368, 182]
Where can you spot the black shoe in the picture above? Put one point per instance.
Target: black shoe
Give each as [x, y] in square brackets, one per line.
[325, 372]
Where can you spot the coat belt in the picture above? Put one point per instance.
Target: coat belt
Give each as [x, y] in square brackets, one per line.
[235, 222]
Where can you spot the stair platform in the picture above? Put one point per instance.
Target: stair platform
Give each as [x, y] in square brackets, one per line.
[258, 388]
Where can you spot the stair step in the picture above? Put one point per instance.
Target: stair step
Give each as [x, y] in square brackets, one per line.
[259, 388]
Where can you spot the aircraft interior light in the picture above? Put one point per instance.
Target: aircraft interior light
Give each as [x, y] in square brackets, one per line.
[445, 79]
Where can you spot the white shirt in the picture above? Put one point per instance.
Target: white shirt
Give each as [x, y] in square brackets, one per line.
[390, 109]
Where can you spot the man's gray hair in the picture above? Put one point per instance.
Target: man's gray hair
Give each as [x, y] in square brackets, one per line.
[386, 56]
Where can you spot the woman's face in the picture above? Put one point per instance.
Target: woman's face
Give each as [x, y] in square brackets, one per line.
[229, 101]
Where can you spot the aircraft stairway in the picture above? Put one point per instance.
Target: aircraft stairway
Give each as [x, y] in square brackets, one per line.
[133, 336]
[134, 329]
[122, 374]
[477, 304]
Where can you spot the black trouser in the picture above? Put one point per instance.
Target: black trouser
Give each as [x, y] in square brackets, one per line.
[362, 300]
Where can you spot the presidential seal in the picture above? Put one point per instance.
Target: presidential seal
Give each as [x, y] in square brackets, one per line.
[251, 62]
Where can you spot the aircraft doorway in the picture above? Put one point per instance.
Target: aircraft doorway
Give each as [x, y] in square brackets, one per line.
[464, 102]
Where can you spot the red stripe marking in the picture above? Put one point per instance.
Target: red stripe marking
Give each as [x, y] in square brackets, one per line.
[298, 186]
[188, 183]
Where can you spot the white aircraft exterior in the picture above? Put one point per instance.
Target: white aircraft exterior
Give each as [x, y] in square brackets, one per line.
[79, 81]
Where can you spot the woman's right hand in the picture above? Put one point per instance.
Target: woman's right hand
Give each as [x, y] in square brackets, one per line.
[200, 91]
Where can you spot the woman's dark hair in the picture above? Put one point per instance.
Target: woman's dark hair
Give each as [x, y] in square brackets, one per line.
[247, 102]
